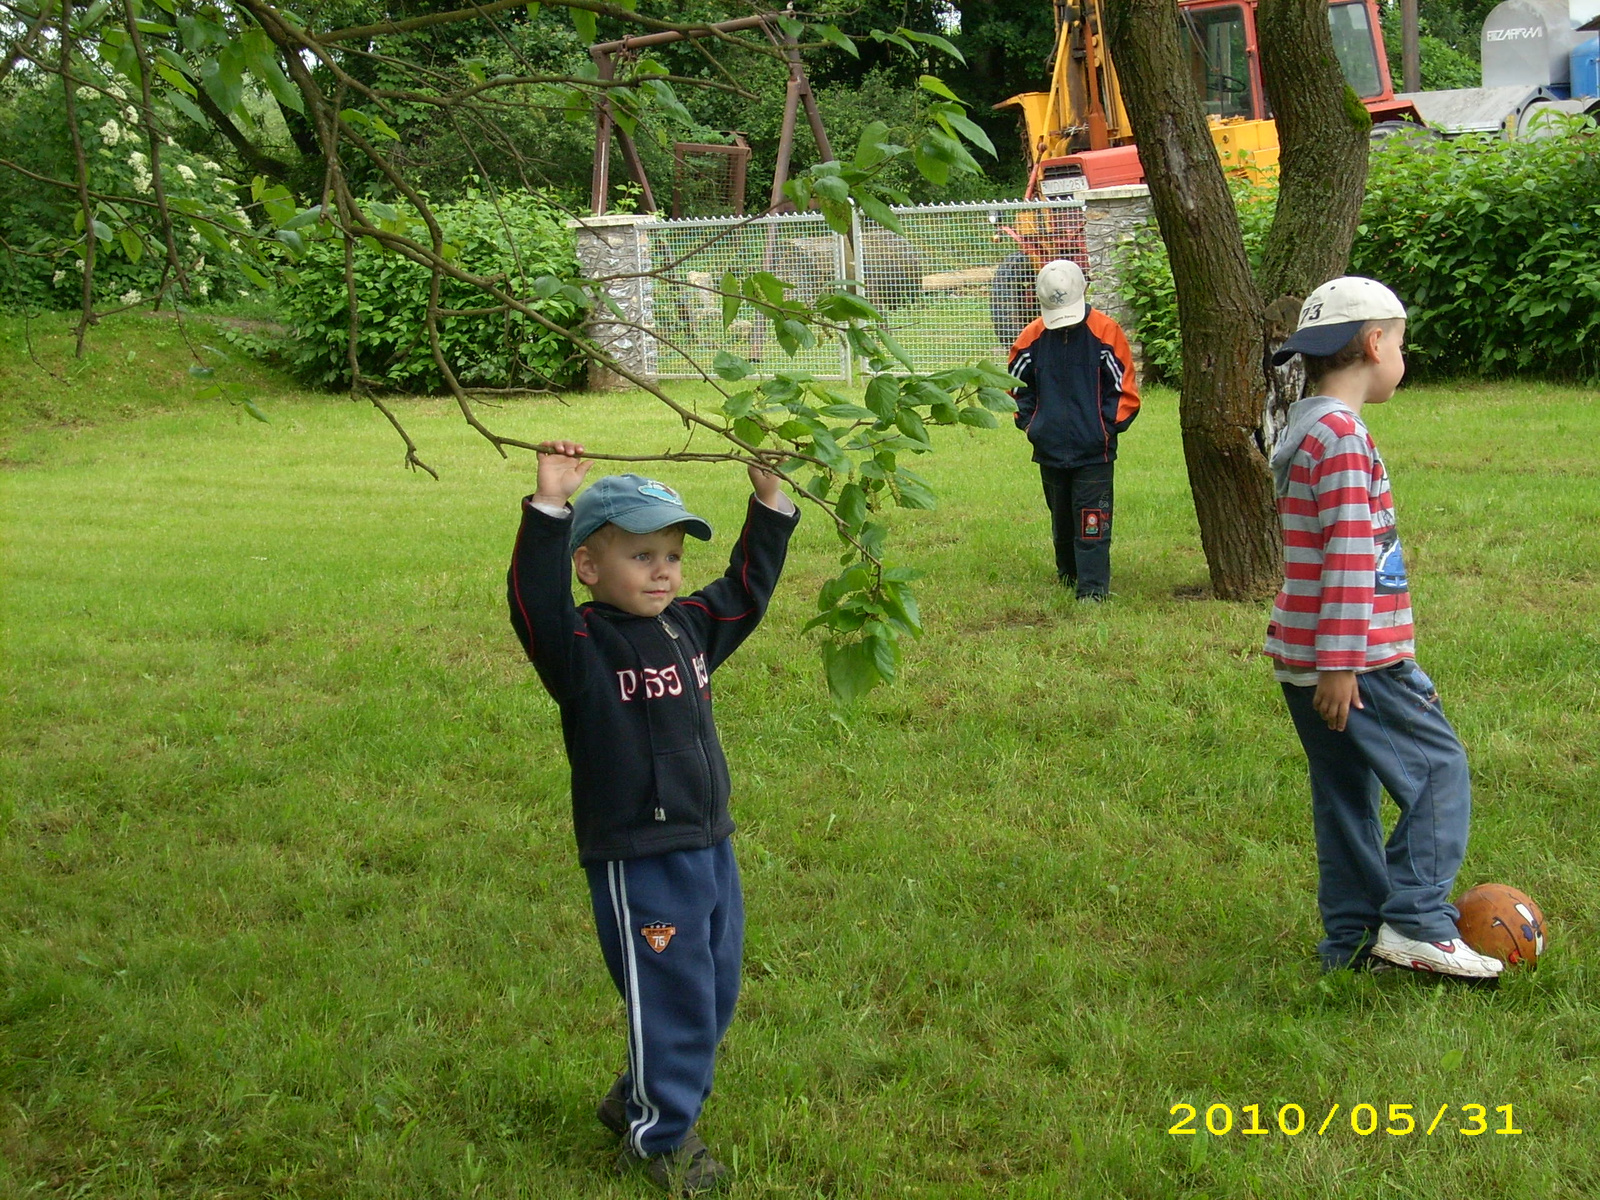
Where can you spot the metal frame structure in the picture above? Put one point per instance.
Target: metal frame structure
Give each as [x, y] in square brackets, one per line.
[798, 93]
[738, 158]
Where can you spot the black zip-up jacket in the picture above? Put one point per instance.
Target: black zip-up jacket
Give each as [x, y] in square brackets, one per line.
[648, 774]
[1078, 390]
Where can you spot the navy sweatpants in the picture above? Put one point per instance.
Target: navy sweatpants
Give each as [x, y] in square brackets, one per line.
[1401, 741]
[671, 927]
[1079, 501]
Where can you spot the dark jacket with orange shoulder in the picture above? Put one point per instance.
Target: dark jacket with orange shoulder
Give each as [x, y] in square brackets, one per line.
[1078, 390]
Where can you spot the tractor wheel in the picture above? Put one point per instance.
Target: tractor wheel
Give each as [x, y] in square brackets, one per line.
[1012, 303]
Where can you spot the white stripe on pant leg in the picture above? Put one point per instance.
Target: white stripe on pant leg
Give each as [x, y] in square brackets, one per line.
[630, 977]
[618, 911]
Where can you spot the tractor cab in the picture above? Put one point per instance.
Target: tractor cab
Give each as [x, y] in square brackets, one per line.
[1078, 136]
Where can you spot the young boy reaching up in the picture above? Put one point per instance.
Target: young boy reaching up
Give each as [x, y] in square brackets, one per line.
[1342, 640]
[631, 671]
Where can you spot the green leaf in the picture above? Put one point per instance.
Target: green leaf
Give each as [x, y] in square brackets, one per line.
[980, 417]
[885, 652]
[894, 39]
[883, 397]
[852, 505]
[731, 367]
[731, 299]
[223, 77]
[202, 372]
[250, 407]
[768, 286]
[969, 130]
[751, 433]
[834, 36]
[932, 83]
[934, 40]
[583, 22]
[263, 64]
[912, 491]
[791, 27]
[189, 109]
[895, 348]
[300, 220]
[132, 244]
[661, 92]
[102, 232]
[174, 79]
[911, 425]
[846, 306]
[880, 212]
[852, 671]
[740, 403]
[871, 149]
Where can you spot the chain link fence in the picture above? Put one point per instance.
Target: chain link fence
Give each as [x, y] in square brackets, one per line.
[956, 285]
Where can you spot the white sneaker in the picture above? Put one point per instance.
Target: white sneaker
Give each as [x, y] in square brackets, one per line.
[1454, 957]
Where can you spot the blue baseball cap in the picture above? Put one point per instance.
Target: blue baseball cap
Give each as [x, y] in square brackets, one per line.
[634, 503]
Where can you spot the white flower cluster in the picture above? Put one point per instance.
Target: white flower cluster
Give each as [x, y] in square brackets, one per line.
[142, 178]
[131, 296]
[58, 277]
[111, 132]
[186, 172]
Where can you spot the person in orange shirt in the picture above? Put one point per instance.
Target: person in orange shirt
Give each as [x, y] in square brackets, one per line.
[1078, 393]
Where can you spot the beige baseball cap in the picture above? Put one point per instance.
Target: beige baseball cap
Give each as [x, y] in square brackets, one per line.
[1335, 313]
[1060, 288]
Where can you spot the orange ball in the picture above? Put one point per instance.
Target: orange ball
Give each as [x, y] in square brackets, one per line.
[1502, 922]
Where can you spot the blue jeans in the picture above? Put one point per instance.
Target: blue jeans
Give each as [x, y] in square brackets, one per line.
[1402, 741]
[671, 928]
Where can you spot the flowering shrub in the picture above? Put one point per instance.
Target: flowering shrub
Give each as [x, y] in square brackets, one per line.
[131, 264]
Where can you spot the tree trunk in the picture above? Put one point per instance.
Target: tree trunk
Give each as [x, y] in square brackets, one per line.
[1322, 136]
[1219, 310]
[1323, 139]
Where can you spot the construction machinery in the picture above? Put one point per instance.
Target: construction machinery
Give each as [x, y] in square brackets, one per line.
[1538, 58]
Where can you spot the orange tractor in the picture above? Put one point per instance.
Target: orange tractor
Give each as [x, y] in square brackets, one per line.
[1077, 134]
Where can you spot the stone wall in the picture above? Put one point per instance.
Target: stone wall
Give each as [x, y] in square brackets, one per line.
[1111, 217]
[615, 249]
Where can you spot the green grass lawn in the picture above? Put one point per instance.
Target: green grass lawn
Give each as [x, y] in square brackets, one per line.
[289, 905]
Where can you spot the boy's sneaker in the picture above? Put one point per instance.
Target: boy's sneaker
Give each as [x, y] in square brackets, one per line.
[1454, 957]
[613, 1110]
[687, 1171]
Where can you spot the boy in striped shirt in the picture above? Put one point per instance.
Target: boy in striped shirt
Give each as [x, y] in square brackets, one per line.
[1341, 640]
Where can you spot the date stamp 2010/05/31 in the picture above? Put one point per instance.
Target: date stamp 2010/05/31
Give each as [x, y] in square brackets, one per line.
[1364, 1120]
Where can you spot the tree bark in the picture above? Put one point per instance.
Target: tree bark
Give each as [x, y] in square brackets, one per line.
[1323, 139]
[1219, 309]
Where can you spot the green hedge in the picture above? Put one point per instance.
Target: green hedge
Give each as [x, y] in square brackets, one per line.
[1490, 243]
[524, 238]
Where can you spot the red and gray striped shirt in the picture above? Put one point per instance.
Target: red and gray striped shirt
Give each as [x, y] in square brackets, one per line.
[1345, 604]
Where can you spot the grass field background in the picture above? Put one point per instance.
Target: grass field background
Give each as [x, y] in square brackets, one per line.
[288, 898]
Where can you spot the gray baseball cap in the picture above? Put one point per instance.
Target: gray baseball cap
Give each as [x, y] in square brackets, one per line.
[634, 503]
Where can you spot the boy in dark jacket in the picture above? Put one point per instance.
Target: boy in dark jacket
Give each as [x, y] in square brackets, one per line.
[1078, 393]
[631, 671]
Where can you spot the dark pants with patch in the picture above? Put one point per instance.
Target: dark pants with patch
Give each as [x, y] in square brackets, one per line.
[1079, 500]
[1401, 741]
[671, 928]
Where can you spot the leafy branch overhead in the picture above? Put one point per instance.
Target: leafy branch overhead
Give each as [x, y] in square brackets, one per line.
[390, 289]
